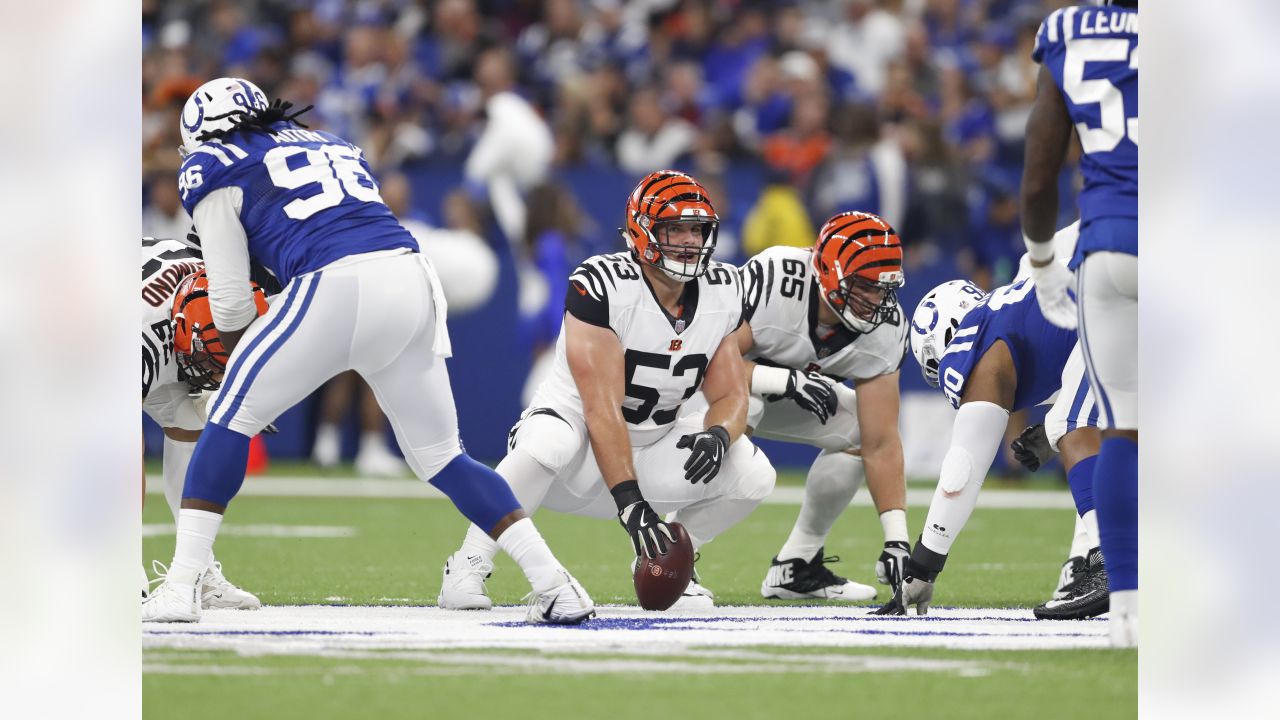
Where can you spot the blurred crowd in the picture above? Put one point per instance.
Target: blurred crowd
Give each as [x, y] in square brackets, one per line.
[911, 108]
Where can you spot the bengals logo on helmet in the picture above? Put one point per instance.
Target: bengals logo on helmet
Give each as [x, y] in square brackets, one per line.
[197, 346]
[660, 206]
[858, 264]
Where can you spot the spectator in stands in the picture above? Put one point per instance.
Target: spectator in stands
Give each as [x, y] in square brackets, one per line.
[515, 151]
[862, 170]
[164, 216]
[653, 139]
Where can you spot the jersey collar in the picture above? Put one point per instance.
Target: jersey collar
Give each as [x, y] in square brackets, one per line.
[838, 340]
[688, 302]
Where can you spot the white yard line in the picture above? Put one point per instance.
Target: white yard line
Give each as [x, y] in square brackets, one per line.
[326, 630]
[278, 531]
[315, 486]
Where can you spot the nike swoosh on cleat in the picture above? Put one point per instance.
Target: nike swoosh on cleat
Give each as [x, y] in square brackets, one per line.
[546, 615]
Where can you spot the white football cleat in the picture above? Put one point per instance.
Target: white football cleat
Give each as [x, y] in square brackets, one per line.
[695, 597]
[171, 602]
[796, 579]
[564, 604]
[146, 583]
[463, 585]
[218, 592]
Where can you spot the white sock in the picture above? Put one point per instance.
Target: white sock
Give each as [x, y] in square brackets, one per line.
[1080, 546]
[1124, 602]
[833, 480]
[478, 543]
[373, 441]
[894, 523]
[1091, 528]
[177, 456]
[196, 532]
[525, 545]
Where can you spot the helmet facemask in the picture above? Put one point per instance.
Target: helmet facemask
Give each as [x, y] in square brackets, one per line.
[852, 300]
[206, 360]
[682, 261]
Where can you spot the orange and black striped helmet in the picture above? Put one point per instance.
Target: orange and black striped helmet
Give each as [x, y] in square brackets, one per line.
[858, 264]
[663, 201]
[196, 344]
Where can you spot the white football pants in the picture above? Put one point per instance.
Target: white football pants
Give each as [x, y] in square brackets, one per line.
[381, 314]
[551, 464]
[1107, 293]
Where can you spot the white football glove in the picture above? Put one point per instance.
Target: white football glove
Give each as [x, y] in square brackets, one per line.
[1052, 283]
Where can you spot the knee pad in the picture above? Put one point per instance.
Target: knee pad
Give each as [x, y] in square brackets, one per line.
[957, 469]
[544, 435]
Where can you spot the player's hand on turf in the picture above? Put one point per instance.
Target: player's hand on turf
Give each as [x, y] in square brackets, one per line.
[1053, 284]
[812, 391]
[889, 564]
[1032, 447]
[706, 453]
[912, 591]
[649, 534]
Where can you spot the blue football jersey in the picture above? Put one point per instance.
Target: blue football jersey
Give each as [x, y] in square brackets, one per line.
[309, 197]
[1092, 53]
[1010, 313]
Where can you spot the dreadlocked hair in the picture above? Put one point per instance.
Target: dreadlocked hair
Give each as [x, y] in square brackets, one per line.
[255, 120]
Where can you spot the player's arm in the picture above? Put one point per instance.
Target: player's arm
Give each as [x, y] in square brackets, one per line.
[1048, 133]
[878, 404]
[226, 262]
[726, 389]
[596, 362]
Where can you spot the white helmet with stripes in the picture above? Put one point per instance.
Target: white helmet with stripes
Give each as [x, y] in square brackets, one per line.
[935, 322]
[216, 106]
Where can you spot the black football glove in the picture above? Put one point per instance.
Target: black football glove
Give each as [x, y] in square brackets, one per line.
[812, 391]
[1032, 448]
[649, 534]
[706, 453]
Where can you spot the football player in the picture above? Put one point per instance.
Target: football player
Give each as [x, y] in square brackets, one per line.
[357, 295]
[993, 354]
[814, 318]
[1088, 87]
[182, 357]
[608, 434]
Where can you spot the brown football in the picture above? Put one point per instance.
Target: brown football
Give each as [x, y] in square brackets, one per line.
[659, 583]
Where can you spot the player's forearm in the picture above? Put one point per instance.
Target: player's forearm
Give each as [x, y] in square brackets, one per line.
[611, 444]
[225, 248]
[1048, 132]
[885, 476]
[730, 413]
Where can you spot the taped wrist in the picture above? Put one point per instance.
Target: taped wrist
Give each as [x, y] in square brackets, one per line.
[767, 380]
[626, 493]
[1040, 252]
[924, 563]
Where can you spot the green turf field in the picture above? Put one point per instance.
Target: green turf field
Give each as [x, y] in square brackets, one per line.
[369, 551]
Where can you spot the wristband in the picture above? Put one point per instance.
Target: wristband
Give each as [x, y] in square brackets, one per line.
[767, 380]
[626, 493]
[1040, 252]
[720, 432]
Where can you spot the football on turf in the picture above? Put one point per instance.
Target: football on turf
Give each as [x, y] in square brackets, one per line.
[659, 583]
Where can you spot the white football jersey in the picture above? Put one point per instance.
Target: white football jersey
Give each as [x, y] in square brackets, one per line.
[666, 357]
[782, 309]
[164, 264]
